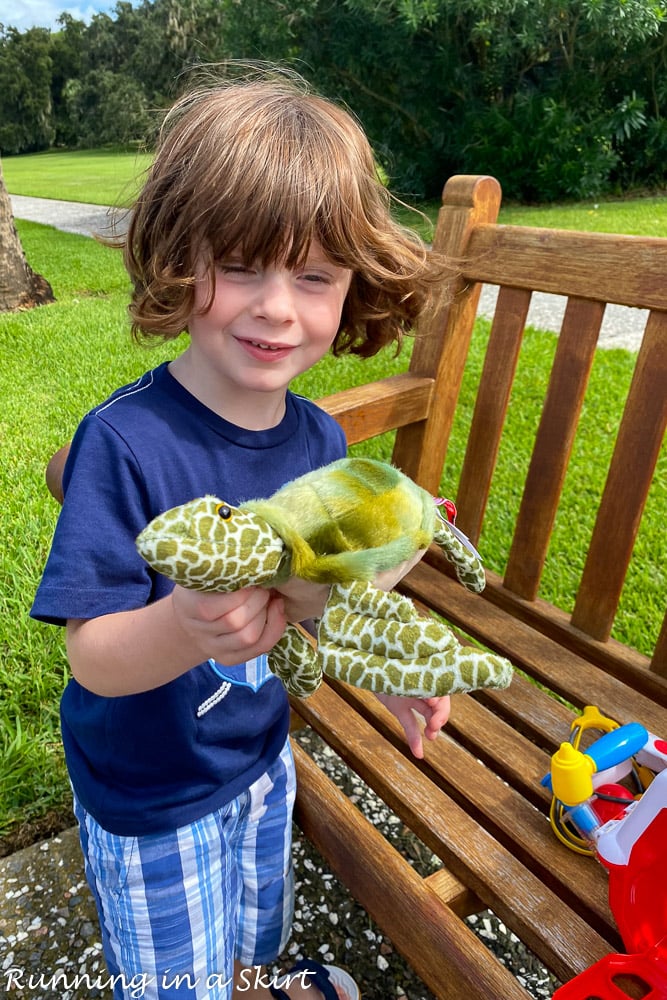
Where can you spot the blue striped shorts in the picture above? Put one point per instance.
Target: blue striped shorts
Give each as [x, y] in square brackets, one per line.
[176, 909]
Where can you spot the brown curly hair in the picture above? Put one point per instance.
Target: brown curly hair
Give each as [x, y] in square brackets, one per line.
[264, 167]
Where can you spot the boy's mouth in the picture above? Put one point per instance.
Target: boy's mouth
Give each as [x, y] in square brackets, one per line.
[264, 349]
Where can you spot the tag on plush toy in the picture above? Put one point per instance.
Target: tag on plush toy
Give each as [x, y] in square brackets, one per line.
[450, 519]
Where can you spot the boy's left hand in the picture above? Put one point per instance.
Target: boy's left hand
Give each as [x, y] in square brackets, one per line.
[305, 600]
[434, 711]
[302, 599]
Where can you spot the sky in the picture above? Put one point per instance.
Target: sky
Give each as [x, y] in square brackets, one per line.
[24, 14]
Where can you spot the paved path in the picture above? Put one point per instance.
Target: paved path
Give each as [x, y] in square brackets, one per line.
[621, 327]
[69, 216]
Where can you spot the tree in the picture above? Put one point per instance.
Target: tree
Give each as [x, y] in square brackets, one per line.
[20, 287]
[67, 56]
[26, 119]
[554, 97]
[106, 108]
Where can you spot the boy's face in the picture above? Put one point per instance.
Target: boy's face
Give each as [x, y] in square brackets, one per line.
[266, 325]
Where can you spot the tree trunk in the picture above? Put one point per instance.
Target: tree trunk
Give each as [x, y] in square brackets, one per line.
[20, 287]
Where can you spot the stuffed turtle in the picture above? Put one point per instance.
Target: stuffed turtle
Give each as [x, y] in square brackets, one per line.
[341, 524]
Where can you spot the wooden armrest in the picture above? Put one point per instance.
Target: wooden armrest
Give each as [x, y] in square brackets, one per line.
[54, 473]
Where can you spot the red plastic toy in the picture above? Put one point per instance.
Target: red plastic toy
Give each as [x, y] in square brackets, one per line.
[632, 846]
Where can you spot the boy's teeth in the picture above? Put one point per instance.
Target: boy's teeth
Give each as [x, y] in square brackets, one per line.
[265, 347]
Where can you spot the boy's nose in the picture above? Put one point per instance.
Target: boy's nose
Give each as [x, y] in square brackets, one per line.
[274, 301]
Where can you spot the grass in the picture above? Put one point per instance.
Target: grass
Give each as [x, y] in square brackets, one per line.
[98, 177]
[45, 384]
[636, 217]
[61, 359]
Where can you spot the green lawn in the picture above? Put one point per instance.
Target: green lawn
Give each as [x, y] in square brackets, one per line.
[60, 359]
[98, 177]
[636, 217]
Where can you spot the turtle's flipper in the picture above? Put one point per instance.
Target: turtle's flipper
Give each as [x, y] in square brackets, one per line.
[293, 659]
[461, 553]
[376, 640]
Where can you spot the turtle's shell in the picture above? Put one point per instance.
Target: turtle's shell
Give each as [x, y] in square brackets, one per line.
[349, 520]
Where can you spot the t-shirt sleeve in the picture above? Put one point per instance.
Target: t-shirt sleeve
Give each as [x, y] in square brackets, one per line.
[325, 437]
[93, 567]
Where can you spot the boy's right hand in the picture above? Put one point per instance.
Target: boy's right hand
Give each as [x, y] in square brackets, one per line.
[230, 627]
[140, 649]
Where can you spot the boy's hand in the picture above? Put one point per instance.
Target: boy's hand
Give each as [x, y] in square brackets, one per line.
[388, 579]
[434, 711]
[230, 627]
[137, 650]
[305, 600]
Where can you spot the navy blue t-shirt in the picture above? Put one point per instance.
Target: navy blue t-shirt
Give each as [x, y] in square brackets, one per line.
[150, 762]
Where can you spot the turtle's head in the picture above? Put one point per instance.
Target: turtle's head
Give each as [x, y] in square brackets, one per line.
[207, 544]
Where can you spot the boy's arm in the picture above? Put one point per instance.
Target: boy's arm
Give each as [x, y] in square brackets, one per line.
[134, 651]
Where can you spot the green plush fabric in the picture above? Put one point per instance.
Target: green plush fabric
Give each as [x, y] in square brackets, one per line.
[349, 521]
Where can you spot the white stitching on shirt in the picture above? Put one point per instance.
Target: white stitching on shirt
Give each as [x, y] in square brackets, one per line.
[211, 702]
[130, 391]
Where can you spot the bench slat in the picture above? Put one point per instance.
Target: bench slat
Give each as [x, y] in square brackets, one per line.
[659, 661]
[626, 270]
[367, 410]
[490, 408]
[575, 352]
[529, 710]
[517, 759]
[633, 464]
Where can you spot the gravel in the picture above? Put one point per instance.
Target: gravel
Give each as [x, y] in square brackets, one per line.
[49, 935]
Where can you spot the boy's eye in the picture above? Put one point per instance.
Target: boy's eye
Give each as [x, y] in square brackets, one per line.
[234, 267]
[315, 277]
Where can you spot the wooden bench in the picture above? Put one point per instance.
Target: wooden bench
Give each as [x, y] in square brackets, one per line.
[476, 800]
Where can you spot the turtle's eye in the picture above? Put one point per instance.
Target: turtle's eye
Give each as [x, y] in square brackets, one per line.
[224, 511]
